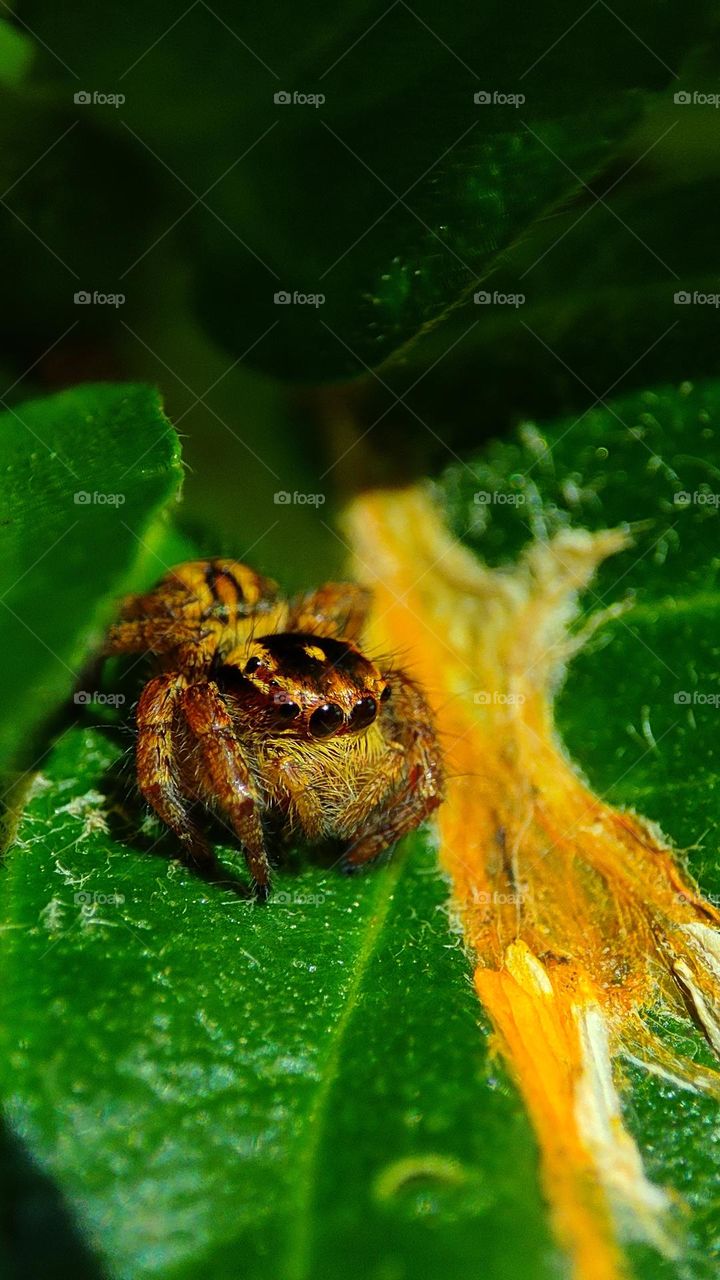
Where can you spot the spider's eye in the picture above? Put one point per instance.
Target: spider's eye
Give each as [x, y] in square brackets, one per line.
[385, 693]
[251, 665]
[363, 713]
[325, 720]
[288, 711]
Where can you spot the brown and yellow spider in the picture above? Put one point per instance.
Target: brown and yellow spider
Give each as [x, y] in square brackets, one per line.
[267, 711]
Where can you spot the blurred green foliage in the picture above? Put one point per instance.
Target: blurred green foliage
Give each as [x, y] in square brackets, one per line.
[183, 1087]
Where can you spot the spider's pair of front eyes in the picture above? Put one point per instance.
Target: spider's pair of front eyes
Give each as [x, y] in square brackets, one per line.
[329, 717]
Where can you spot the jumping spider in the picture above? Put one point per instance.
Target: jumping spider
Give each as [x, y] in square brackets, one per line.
[268, 711]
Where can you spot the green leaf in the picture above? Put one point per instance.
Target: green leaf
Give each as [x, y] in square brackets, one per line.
[286, 1090]
[86, 473]
[217, 1086]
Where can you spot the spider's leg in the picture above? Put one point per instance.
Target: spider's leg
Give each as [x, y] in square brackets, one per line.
[338, 609]
[157, 771]
[156, 633]
[402, 796]
[223, 774]
[197, 603]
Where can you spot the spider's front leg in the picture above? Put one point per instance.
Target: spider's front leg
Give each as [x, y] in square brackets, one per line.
[222, 774]
[406, 792]
[156, 763]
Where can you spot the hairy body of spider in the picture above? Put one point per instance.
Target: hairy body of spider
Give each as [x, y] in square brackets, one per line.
[268, 712]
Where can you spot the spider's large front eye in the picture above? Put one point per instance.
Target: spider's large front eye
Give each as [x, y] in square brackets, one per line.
[325, 720]
[363, 713]
[251, 665]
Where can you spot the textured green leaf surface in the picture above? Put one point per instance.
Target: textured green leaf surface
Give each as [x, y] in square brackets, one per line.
[84, 474]
[225, 1087]
[279, 1092]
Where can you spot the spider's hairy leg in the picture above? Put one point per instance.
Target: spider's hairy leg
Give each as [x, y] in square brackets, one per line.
[223, 774]
[198, 599]
[338, 609]
[401, 808]
[156, 768]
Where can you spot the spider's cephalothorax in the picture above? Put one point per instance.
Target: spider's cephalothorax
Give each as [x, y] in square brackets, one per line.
[268, 711]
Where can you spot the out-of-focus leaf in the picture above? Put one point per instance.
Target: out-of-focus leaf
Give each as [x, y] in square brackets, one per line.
[85, 475]
[393, 196]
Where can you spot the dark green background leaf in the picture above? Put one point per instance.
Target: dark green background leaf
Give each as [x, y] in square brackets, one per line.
[392, 199]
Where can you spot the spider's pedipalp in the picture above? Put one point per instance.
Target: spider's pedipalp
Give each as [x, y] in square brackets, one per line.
[408, 790]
